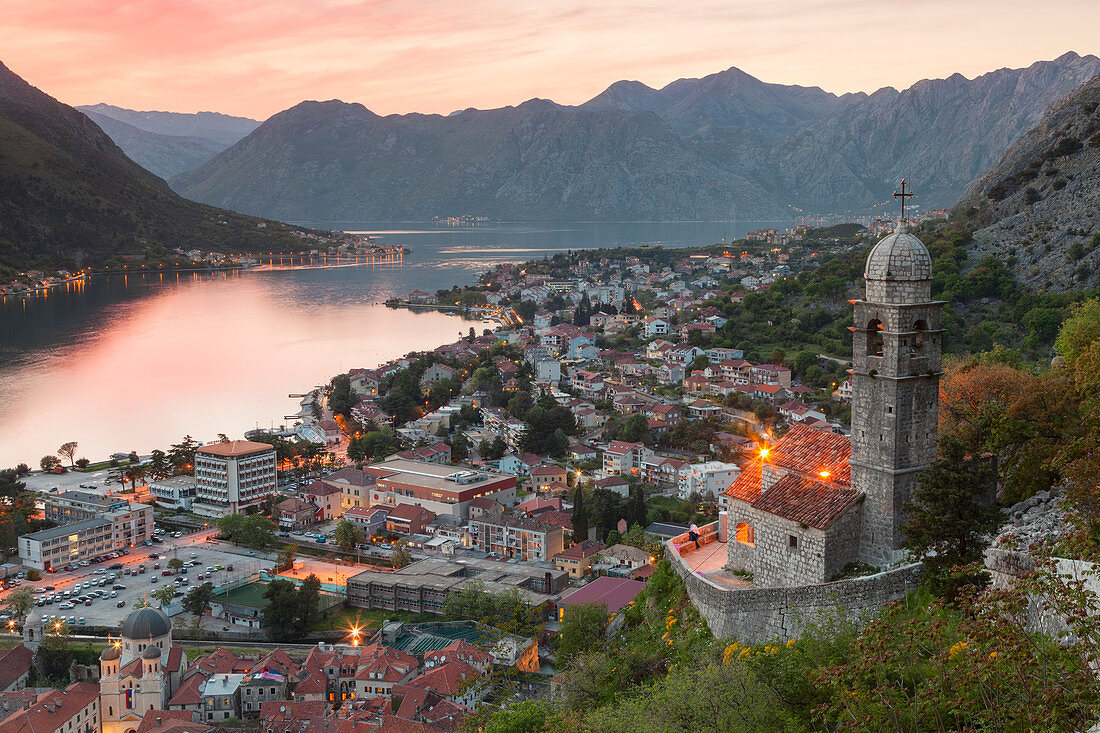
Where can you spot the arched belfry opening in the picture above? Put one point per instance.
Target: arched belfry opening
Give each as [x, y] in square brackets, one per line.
[919, 341]
[874, 337]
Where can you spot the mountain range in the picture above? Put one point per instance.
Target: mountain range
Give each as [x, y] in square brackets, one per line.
[69, 196]
[1038, 208]
[726, 146]
[168, 143]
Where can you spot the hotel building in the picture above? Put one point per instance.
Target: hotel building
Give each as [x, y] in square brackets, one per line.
[232, 477]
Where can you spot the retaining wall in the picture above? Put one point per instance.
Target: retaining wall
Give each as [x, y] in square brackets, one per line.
[756, 615]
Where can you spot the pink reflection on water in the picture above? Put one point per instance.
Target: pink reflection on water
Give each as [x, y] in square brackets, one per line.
[200, 358]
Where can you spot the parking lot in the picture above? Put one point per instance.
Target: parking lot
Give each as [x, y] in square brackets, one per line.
[194, 549]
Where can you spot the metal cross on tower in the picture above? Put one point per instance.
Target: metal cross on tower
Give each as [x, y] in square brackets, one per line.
[903, 195]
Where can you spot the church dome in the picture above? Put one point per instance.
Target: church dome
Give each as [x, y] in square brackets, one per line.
[899, 256]
[110, 654]
[151, 652]
[146, 622]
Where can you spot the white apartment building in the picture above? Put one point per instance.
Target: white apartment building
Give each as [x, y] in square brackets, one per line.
[121, 528]
[710, 478]
[175, 492]
[233, 476]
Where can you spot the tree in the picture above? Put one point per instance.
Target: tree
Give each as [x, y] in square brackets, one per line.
[401, 555]
[175, 564]
[291, 611]
[182, 455]
[580, 516]
[341, 399]
[163, 596]
[68, 450]
[49, 463]
[285, 559]
[309, 602]
[582, 629]
[82, 463]
[136, 473]
[159, 465]
[606, 510]
[19, 603]
[347, 535]
[635, 508]
[460, 447]
[952, 513]
[197, 601]
[254, 530]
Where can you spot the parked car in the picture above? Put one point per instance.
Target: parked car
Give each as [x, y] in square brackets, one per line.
[120, 604]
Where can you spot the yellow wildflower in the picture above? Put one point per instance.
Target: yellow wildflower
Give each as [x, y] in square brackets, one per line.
[956, 649]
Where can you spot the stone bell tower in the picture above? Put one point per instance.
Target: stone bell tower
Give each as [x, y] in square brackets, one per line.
[897, 339]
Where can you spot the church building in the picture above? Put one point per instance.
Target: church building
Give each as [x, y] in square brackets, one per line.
[814, 502]
[140, 671]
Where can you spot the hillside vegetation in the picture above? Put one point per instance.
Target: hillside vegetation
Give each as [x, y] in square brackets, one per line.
[69, 197]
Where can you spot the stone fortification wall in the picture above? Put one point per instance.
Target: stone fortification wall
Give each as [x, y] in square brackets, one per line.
[1006, 565]
[756, 615]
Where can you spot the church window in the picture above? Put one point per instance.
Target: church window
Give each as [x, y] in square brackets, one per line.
[874, 337]
[110, 709]
[792, 542]
[745, 533]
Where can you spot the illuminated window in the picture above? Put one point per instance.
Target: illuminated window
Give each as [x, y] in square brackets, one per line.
[745, 533]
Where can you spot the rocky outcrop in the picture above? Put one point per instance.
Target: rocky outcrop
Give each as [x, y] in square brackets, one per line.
[1038, 207]
[1038, 519]
[727, 146]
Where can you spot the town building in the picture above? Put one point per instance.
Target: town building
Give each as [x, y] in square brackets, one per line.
[578, 559]
[76, 506]
[233, 477]
[440, 489]
[76, 709]
[120, 528]
[707, 479]
[517, 537]
[543, 477]
[174, 492]
[408, 519]
[326, 497]
[423, 587]
[295, 513]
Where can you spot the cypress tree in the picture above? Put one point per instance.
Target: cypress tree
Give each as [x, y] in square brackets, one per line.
[580, 517]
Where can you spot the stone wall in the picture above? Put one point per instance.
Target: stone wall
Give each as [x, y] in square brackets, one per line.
[1006, 565]
[755, 615]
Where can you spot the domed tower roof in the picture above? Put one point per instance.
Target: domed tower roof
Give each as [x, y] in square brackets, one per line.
[899, 256]
[110, 654]
[146, 622]
[151, 652]
[899, 269]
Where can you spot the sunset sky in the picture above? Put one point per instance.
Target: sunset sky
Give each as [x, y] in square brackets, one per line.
[256, 57]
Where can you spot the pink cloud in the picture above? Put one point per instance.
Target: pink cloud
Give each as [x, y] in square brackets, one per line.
[256, 57]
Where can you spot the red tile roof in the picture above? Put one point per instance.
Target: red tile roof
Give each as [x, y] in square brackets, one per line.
[52, 710]
[746, 486]
[581, 550]
[556, 518]
[14, 663]
[809, 452]
[190, 692]
[547, 471]
[448, 679]
[816, 504]
[169, 719]
[235, 448]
